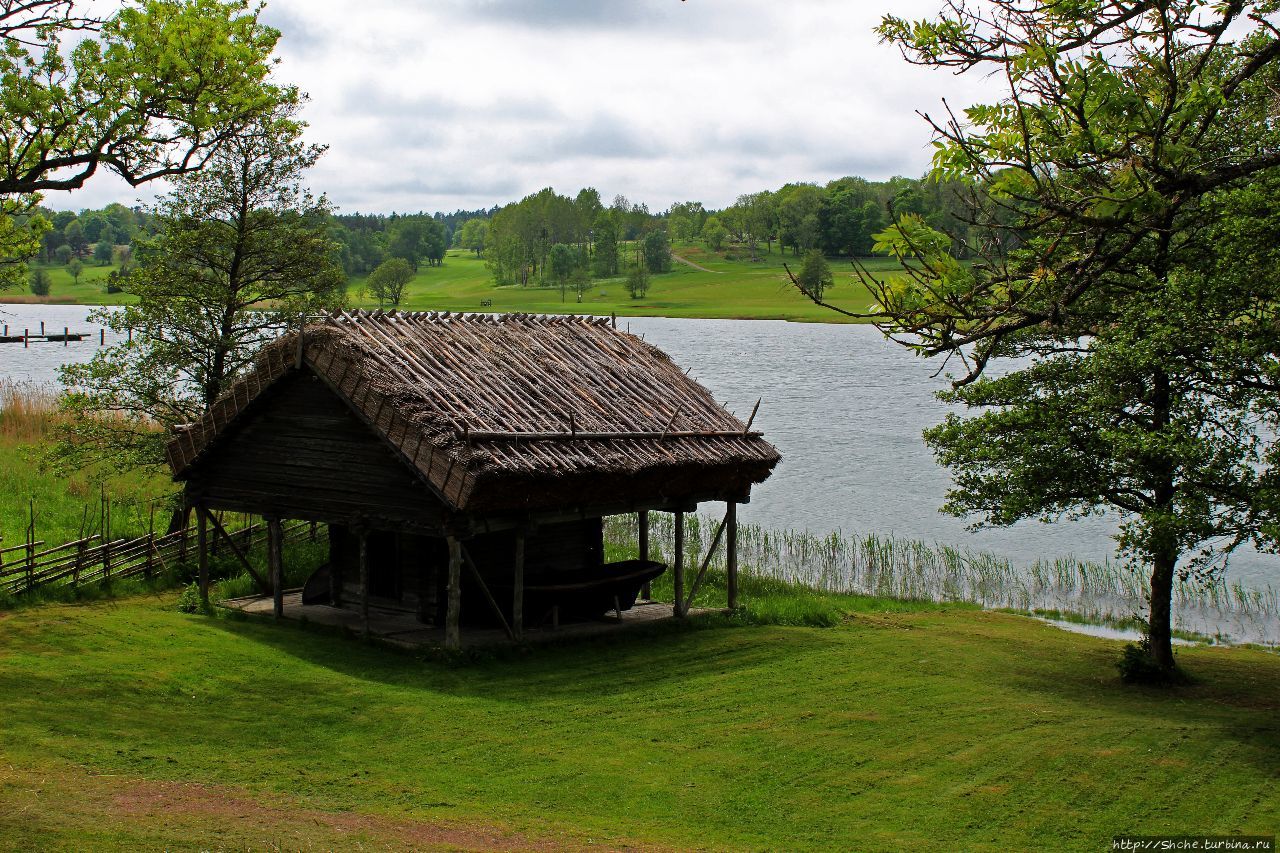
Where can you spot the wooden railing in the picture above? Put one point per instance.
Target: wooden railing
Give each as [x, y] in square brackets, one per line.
[24, 569]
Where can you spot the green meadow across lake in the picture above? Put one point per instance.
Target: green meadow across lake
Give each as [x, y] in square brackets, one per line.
[742, 289]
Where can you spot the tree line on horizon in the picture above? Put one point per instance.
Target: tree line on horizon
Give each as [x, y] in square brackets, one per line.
[552, 239]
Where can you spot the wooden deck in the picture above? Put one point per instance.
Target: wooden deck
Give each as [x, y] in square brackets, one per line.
[403, 629]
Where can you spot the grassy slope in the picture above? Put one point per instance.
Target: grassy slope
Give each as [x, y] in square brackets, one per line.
[735, 289]
[976, 730]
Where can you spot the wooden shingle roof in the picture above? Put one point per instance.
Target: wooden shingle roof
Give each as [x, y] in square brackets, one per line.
[512, 412]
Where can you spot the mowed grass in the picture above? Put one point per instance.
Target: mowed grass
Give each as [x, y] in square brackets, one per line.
[739, 289]
[131, 725]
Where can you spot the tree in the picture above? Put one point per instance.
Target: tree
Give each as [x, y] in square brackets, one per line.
[387, 283]
[74, 235]
[562, 263]
[472, 235]
[815, 275]
[76, 268]
[63, 254]
[638, 278]
[657, 252]
[124, 100]
[103, 252]
[41, 281]
[241, 250]
[1105, 191]
[605, 261]
[714, 233]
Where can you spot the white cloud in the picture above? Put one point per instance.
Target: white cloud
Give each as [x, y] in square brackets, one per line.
[470, 103]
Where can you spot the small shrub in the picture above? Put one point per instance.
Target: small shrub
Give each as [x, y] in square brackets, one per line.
[189, 601]
[1138, 666]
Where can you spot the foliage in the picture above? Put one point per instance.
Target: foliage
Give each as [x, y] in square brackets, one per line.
[714, 233]
[472, 235]
[123, 100]
[388, 281]
[657, 251]
[241, 249]
[815, 275]
[562, 262]
[638, 278]
[103, 252]
[1105, 188]
[76, 268]
[40, 281]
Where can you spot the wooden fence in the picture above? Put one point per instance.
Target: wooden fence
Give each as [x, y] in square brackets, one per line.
[24, 569]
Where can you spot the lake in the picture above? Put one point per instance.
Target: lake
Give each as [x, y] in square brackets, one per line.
[844, 406]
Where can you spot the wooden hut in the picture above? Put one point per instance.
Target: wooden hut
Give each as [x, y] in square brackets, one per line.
[453, 454]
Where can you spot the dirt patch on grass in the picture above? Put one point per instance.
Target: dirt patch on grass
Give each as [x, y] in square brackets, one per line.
[237, 814]
[68, 808]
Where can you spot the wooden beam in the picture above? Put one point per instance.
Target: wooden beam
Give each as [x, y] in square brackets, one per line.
[484, 588]
[202, 546]
[702, 571]
[517, 594]
[642, 521]
[275, 563]
[263, 586]
[452, 636]
[363, 538]
[731, 554]
[678, 568]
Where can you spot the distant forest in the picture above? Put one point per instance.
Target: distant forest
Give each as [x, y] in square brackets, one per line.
[551, 235]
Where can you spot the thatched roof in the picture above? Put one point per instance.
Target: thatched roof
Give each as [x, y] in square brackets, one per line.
[513, 412]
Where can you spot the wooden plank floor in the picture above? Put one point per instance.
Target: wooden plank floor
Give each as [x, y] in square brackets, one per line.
[403, 629]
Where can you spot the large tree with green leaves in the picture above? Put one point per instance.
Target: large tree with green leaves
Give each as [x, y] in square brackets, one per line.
[242, 249]
[1137, 329]
[150, 91]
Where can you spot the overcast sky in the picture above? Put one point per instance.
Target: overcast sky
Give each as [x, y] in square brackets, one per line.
[447, 104]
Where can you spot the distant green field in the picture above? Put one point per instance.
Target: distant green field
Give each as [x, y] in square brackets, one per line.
[90, 290]
[732, 290]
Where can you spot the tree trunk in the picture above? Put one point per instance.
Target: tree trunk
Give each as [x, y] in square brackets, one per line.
[1160, 627]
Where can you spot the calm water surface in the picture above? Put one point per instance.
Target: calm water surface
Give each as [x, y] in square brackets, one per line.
[844, 406]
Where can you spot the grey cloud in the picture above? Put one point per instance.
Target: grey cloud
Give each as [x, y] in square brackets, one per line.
[601, 138]
[572, 14]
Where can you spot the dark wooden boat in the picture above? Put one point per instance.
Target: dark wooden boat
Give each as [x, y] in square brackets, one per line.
[581, 594]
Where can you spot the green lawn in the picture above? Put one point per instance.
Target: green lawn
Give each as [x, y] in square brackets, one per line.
[131, 725]
[734, 289]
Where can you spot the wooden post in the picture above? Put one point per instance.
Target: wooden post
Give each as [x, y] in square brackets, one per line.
[363, 536]
[678, 569]
[335, 566]
[452, 636]
[66, 337]
[642, 521]
[731, 553]
[182, 538]
[79, 564]
[275, 565]
[517, 600]
[202, 546]
[151, 542]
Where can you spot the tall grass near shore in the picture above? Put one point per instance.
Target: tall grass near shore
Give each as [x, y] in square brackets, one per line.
[63, 505]
[28, 412]
[889, 567]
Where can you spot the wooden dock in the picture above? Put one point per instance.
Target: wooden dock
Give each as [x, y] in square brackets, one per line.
[65, 337]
